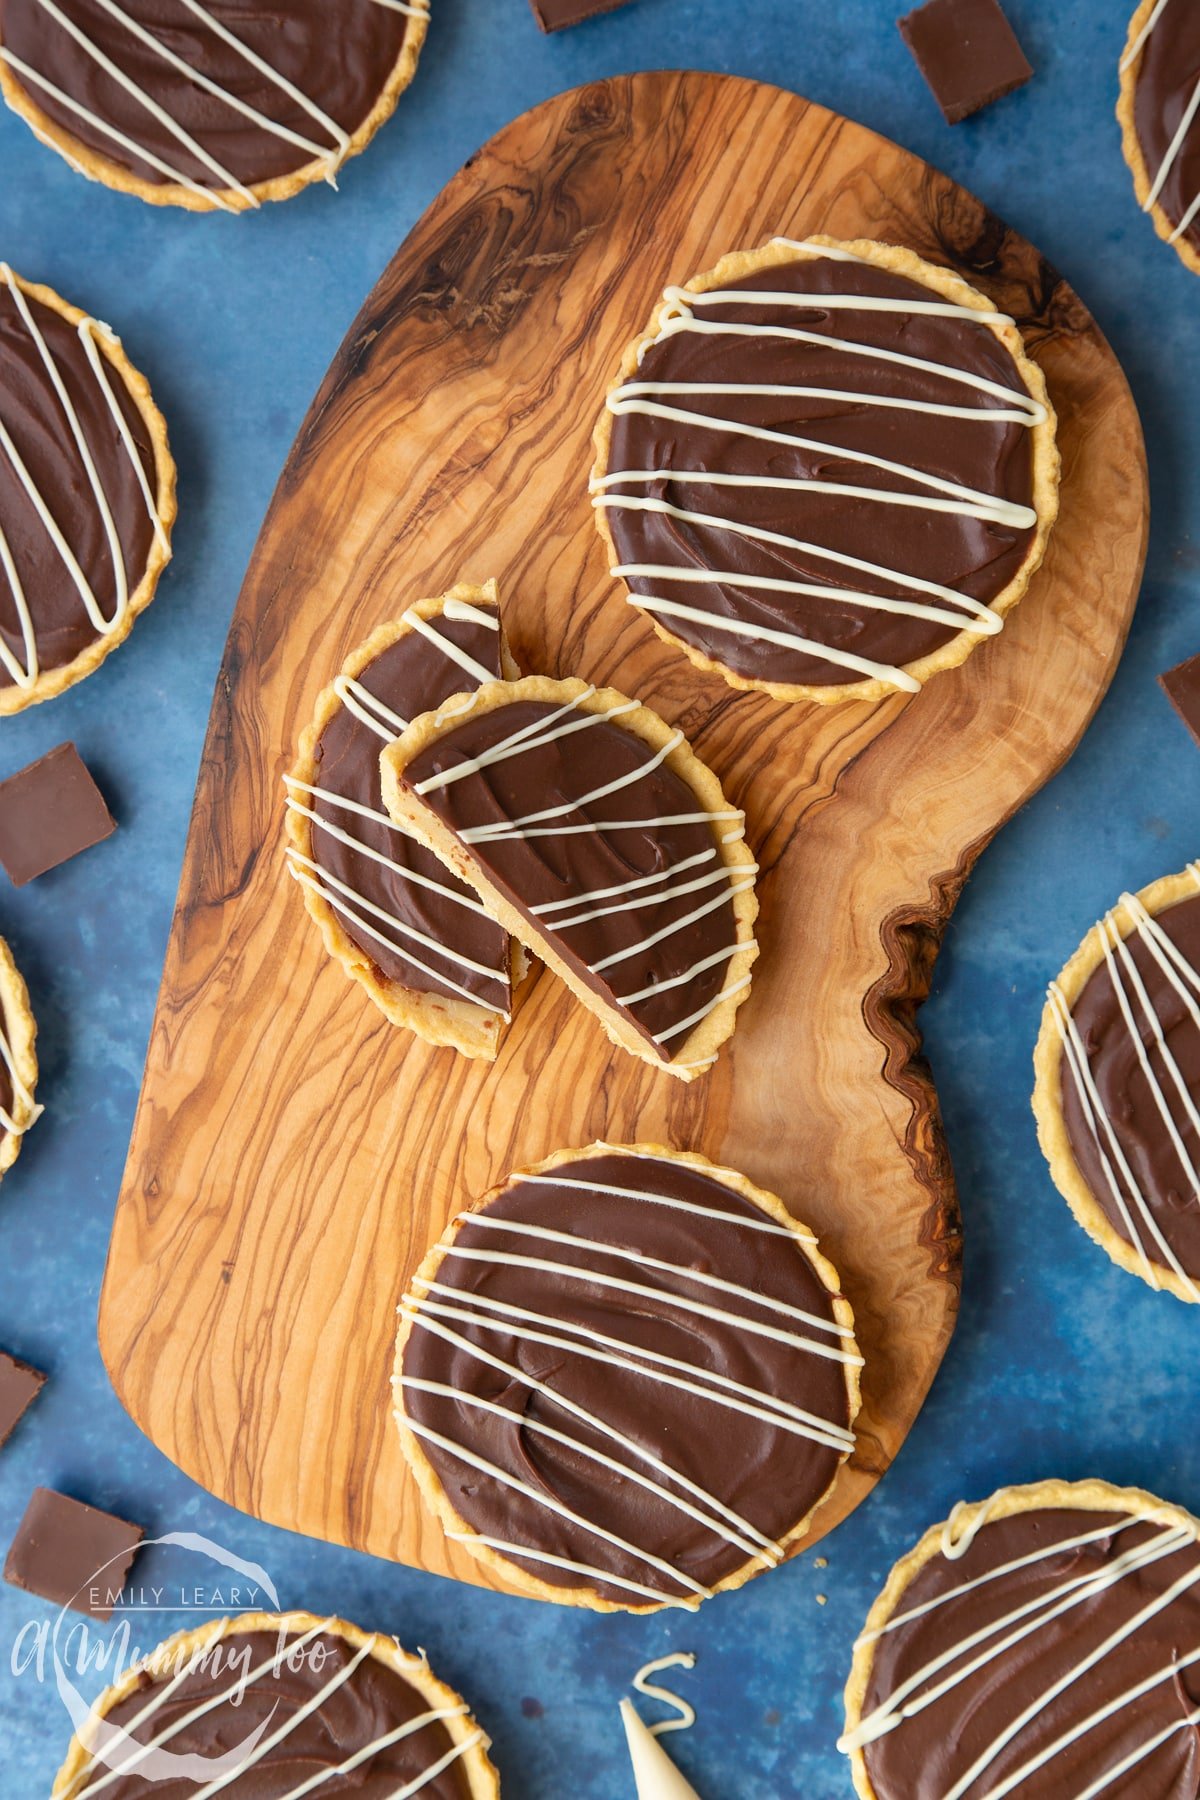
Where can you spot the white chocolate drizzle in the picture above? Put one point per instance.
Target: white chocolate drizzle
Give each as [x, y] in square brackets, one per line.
[331, 154]
[105, 1738]
[1171, 155]
[678, 1659]
[922, 488]
[24, 675]
[436, 1307]
[23, 1100]
[1176, 1105]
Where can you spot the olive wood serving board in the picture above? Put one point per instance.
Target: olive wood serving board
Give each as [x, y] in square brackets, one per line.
[293, 1154]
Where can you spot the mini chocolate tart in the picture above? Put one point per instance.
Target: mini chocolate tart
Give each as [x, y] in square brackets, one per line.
[87, 494]
[415, 937]
[1043, 1643]
[627, 1379]
[279, 1705]
[828, 471]
[594, 835]
[18, 1060]
[1159, 116]
[214, 106]
[1117, 1094]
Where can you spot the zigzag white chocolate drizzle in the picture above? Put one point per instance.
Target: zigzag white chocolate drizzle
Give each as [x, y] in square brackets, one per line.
[989, 1644]
[388, 928]
[1138, 1012]
[923, 489]
[433, 1307]
[107, 1741]
[1171, 156]
[22, 1098]
[25, 676]
[332, 153]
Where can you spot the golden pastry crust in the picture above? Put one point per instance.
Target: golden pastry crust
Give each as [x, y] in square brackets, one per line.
[439, 1019]
[1131, 143]
[432, 1491]
[1048, 1059]
[482, 1779]
[20, 1030]
[1045, 460]
[1076, 1496]
[97, 167]
[699, 1049]
[51, 682]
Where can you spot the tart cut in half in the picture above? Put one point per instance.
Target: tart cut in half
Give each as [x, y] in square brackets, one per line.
[626, 1379]
[595, 837]
[418, 939]
[279, 1704]
[827, 471]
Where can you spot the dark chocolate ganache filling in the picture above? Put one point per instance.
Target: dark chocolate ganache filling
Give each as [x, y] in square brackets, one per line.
[1165, 83]
[41, 433]
[744, 491]
[1030, 1719]
[617, 1372]
[359, 1708]
[380, 904]
[1133, 1102]
[631, 907]
[7, 1091]
[326, 64]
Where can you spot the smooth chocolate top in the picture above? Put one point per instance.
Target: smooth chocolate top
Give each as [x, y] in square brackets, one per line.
[72, 1554]
[367, 1706]
[927, 1754]
[970, 556]
[569, 864]
[410, 677]
[1181, 685]
[968, 53]
[770, 1476]
[50, 811]
[1165, 80]
[38, 425]
[1128, 1097]
[553, 15]
[337, 53]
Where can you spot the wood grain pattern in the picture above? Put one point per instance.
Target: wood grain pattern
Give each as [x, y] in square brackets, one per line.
[293, 1154]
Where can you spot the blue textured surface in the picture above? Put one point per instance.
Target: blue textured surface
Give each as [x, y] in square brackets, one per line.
[1061, 1365]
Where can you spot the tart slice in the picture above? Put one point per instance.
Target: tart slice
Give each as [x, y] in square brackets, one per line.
[627, 1378]
[415, 937]
[593, 834]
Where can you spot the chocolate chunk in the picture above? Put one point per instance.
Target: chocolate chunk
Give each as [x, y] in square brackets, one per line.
[49, 812]
[71, 1554]
[20, 1385]
[554, 15]
[1181, 685]
[967, 52]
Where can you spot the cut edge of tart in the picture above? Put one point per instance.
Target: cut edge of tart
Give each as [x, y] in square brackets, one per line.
[1131, 143]
[1049, 1059]
[1045, 470]
[20, 1030]
[698, 1051]
[51, 682]
[431, 1489]
[439, 1019]
[967, 1519]
[112, 174]
[482, 1779]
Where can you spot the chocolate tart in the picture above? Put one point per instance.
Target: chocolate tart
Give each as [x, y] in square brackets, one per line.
[1043, 1643]
[87, 493]
[583, 805]
[837, 518]
[214, 106]
[1160, 80]
[626, 1379]
[415, 937]
[18, 1060]
[361, 1736]
[1117, 1091]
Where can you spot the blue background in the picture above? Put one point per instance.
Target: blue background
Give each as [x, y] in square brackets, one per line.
[1061, 1365]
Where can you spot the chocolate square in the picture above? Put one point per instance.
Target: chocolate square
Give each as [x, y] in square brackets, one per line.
[20, 1385]
[554, 15]
[1181, 685]
[71, 1554]
[967, 52]
[49, 812]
